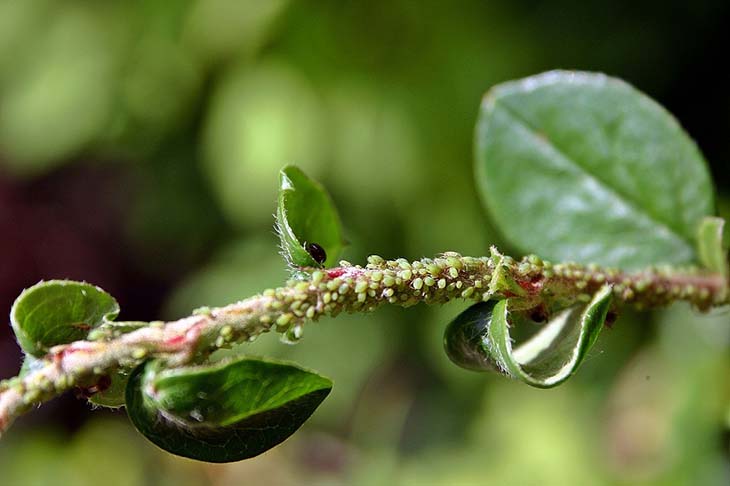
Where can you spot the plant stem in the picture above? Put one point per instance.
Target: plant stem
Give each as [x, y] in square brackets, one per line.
[529, 282]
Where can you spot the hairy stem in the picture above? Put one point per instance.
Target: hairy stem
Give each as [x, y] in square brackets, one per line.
[530, 282]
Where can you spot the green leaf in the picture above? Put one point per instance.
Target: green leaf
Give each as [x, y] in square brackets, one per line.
[223, 412]
[479, 339]
[306, 215]
[583, 167]
[712, 251]
[58, 312]
[114, 395]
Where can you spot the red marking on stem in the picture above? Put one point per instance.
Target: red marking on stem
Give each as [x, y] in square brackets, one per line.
[335, 272]
[178, 341]
[194, 331]
[71, 349]
[175, 341]
[533, 286]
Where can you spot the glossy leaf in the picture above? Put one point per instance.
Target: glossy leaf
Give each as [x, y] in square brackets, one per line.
[464, 338]
[479, 339]
[582, 167]
[307, 221]
[224, 412]
[58, 312]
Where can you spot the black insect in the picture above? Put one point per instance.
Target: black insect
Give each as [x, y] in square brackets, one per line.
[316, 252]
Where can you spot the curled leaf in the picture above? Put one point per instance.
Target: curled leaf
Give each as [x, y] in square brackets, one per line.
[479, 339]
[307, 222]
[58, 312]
[464, 338]
[223, 412]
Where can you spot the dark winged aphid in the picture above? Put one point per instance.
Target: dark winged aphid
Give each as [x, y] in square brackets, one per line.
[316, 252]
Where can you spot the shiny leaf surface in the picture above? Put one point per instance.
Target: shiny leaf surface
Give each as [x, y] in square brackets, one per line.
[58, 312]
[223, 412]
[307, 221]
[582, 167]
[479, 339]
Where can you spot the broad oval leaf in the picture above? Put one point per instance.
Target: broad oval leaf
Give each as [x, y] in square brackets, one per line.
[224, 412]
[58, 312]
[479, 339]
[583, 167]
[307, 221]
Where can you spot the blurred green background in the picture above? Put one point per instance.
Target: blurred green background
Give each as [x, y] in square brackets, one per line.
[139, 147]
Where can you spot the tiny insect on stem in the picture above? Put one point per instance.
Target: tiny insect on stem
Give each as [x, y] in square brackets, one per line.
[316, 252]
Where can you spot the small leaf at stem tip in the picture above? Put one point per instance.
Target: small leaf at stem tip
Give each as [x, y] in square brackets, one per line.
[578, 166]
[307, 221]
[712, 251]
[479, 339]
[59, 312]
[223, 412]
